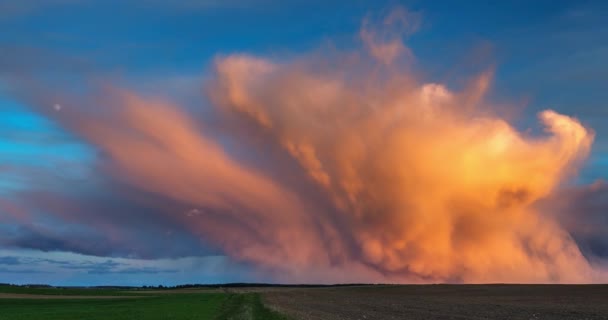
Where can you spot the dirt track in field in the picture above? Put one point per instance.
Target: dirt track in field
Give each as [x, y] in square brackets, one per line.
[48, 296]
[529, 302]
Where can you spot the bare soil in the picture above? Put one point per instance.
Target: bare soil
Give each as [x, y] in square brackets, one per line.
[529, 302]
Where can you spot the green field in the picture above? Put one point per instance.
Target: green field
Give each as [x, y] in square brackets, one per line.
[93, 304]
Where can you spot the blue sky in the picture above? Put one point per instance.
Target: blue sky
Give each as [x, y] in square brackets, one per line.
[547, 55]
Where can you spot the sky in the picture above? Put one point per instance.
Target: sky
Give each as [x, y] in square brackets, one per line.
[148, 142]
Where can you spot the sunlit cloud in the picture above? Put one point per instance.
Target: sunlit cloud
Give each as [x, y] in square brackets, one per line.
[350, 168]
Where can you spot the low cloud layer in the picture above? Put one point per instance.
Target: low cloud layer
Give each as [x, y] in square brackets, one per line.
[61, 268]
[342, 167]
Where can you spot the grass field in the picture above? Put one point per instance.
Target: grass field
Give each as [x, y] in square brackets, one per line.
[68, 291]
[66, 304]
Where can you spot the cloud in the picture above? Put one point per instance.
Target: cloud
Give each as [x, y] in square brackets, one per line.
[384, 41]
[62, 268]
[100, 221]
[50, 242]
[10, 261]
[432, 186]
[21, 271]
[113, 267]
[144, 270]
[157, 136]
[583, 211]
[346, 168]
[91, 267]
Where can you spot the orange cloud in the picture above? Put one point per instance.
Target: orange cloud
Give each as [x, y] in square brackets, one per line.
[431, 183]
[424, 183]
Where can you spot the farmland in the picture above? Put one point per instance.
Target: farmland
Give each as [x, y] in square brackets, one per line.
[528, 302]
[66, 304]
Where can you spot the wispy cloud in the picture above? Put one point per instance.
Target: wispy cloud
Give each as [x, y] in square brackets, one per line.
[21, 271]
[11, 261]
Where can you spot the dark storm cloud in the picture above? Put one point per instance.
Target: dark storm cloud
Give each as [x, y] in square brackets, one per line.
[91, 244]
[101, 222]
[10, 261]
[113, 267]
[583, 210]
[21, 271]
[83, 212]
[132, 270]
[39, 265]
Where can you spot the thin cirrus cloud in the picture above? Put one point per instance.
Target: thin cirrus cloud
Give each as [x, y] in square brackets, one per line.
[343, 168]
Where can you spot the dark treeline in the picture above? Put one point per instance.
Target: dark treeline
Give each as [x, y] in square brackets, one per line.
[194, 286]
[257, 285]
[32, 285]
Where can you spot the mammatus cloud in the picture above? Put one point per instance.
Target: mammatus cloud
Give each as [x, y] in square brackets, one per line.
[356, 170]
